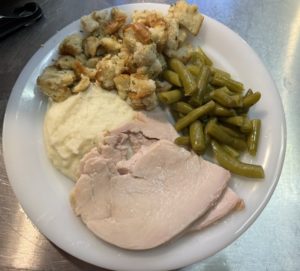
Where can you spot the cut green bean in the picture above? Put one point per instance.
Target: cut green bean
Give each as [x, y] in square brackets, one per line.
[231, 151]
[221, 81]
[253, 138]
[234, 165]
[204, 56]
[251, 99]
[221, 96]
[172, 77]
[218, 71]
[242, 122]
[169, 97]
[220, 135]
[182, 107]
[194, 115]
[197, 98]
[182, 140]
[221, 111]
[197, 137]
[232, 132]
[187, 80]
[194, 69]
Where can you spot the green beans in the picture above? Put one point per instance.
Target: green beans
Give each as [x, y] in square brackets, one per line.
[194, 115]
[253, 138]
[183, 140]
[210, 109]
[197, 137]
[221, 80]
[218, 71]
[205, 59]
[221, 96]
[251, 99]
[182, 107]
[240, 121]
[231, 151]
[202, 84]
[169, 97]
[187, 80]
[172, 77]
[194, 69]
[219, 134]
[221, 111]
[234, 165]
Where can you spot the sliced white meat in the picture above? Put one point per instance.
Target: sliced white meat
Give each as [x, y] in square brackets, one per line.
[229, 202]
[145, 201]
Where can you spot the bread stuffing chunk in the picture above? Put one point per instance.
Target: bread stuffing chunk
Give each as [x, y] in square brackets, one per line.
[187, 16]
[56, 83]
[142, 92]
[79, 69]
[118, 19]
[122, 83]
[65, 62]
[82, 85]
[91, 45]
[89, 24]
[71, 45]
[107, 68]
[110, 44]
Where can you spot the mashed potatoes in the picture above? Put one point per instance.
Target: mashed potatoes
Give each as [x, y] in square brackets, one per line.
[71, 128]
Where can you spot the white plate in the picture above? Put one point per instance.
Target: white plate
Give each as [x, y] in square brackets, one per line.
[44, 193]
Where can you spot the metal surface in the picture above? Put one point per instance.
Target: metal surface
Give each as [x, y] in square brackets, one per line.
[272, 28]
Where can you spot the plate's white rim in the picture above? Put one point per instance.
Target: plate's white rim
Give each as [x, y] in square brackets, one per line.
[17, 89]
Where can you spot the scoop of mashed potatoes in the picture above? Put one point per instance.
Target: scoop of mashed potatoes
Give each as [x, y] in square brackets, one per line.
[72, 127]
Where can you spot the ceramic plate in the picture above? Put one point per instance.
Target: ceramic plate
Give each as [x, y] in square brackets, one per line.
[44, 193]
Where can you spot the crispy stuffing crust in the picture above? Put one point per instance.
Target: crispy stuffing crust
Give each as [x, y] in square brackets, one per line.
[118, 54]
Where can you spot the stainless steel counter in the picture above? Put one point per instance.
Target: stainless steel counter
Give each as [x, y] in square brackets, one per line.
[272, 28]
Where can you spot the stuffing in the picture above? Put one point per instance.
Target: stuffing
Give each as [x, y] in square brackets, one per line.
[92, 62]
[82, 58]
[122, 83]
[65, 62]
[138, 32]
[184, 53]
[89, 24]
[173, 33]
[118, 19]
[187, 16]
[71, 45]
[82, 85]
[150, 18]
[144, 54]
[162, 86]
[107, 68]
[141, 90]
[126, 57]
[55, 83]
[91, 45]
[159, 35]
[101, 16]
[151, 71]
[110, 44]
[79, 69]
[182, 36]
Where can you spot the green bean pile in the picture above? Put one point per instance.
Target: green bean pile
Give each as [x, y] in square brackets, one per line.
[210, 109]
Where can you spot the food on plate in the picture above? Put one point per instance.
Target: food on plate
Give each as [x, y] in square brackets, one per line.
[227, 203]
[149, 59]
[130, 203]
[72, 127]
[211, 106]
[140, 181]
